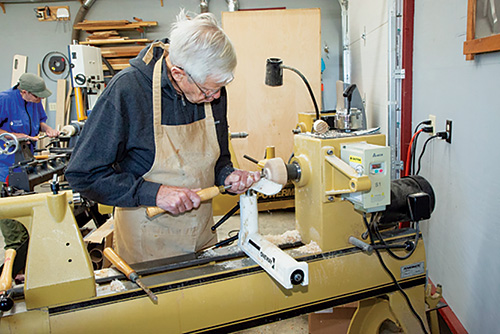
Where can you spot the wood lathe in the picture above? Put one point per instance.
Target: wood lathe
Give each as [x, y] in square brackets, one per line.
[228, 291]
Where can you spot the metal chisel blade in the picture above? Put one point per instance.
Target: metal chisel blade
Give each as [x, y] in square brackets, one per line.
[151, 295]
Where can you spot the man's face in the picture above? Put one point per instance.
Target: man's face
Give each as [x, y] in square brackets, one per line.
[196, 92]
[30, 97]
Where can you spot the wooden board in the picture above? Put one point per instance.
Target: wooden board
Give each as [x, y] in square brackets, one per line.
[121, 51]
[103, 22]
[60, 103]
[117, 64]
[116, 41]
[19, 64]
[90, 26]
[269, 114]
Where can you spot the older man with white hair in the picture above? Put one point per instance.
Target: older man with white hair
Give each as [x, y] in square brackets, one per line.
[156, 135]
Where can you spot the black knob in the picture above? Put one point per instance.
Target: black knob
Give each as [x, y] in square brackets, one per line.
[80, 79]
[6, 303]
[297, 277]
[409, 245]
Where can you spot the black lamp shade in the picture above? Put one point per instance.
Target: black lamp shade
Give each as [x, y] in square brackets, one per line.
[274, 72]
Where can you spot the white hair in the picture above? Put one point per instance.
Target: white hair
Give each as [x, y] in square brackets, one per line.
[202, 48]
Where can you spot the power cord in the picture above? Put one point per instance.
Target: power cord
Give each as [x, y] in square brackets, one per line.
[405, 296]
[427, 129]
[410, 152]
[410, 157]
[424, 122]
[441, 135]
[391, 253]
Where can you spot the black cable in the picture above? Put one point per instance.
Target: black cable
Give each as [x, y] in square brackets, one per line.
[413, 153]
[407, 299]
[308, 88]
[110, 68]
[423, 151]
[414, 145]
[426, 122]
[391, 253]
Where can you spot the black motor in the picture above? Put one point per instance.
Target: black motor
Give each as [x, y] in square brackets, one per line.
[412, 199]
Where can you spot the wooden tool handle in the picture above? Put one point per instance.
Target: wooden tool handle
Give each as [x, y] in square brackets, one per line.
[208, 193]
[6, 278]
[205, 195]
[120, 263]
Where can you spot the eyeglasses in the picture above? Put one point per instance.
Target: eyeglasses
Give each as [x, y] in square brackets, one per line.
[207, 93]
[36, 97]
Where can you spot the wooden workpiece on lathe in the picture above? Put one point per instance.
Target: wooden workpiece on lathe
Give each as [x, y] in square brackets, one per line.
[275, 170]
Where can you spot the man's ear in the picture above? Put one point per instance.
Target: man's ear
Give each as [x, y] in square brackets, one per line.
[177, 73]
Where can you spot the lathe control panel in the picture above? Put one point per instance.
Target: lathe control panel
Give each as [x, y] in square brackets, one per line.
[374, 161]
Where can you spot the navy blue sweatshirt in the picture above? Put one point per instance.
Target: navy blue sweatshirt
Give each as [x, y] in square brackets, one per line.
[116, 146]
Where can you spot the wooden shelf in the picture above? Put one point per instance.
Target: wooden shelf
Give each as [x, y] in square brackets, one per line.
[116, 41]
[104, 35]
[114, 25]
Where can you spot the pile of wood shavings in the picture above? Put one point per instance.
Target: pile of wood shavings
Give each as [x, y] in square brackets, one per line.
[117, 285]
[105, 272]
[289, 237]
[207, 253]
[310, 248]
[114, 286]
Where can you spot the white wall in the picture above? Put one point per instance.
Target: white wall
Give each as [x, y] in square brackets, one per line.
[369, 57]
[462, 236]
[22, 33]
[464, 232]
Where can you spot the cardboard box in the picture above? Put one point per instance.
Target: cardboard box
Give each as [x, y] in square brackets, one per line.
[333, 320]
[97, 240]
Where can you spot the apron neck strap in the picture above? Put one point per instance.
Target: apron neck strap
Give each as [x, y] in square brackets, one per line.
[149, 54]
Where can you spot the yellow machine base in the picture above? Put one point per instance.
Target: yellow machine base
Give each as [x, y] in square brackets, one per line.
[227, 295]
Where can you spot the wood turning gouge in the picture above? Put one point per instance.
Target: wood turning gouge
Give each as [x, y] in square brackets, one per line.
[131, 274]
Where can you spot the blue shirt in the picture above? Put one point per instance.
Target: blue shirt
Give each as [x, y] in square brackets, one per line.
[19, 116]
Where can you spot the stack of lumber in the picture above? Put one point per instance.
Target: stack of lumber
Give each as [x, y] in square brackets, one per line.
[105, 33]
[114, 25]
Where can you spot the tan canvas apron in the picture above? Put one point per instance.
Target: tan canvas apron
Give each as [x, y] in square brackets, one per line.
[185, 156]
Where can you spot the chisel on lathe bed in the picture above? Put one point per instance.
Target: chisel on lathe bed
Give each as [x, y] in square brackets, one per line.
[6, 302]
[131, 274]
[205, 195]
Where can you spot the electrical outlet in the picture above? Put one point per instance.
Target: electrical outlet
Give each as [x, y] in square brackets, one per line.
[433, 124]
[448, 130]
[52, 106]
